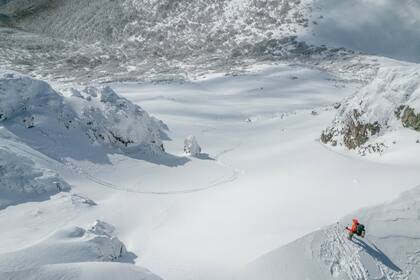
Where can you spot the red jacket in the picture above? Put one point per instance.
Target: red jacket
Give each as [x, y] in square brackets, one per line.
[354, 225]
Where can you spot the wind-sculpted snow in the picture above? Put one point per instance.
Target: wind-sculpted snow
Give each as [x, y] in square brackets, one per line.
[21, 180]
[73, 251]
[39, 115]
[389, 250]
[389, 103]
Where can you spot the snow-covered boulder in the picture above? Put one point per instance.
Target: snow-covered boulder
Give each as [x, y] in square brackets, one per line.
[70, 245]
[83, 271]
[390, 249]
[21, 180]
[97, 114]
[191, 146]
[390, 102]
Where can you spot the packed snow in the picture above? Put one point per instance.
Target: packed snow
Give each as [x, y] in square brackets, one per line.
[389, 251]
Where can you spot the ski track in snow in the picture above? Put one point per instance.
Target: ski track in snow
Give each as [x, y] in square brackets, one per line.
[344, 257]
[103, 183]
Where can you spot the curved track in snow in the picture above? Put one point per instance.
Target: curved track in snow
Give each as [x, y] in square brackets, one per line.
[103, 183]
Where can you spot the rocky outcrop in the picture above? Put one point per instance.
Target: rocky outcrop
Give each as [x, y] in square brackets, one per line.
[388, 103]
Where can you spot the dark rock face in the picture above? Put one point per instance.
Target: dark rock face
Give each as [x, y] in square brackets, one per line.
[408, 117]
[355, 133]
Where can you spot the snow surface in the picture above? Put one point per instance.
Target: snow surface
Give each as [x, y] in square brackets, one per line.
[389, 250]
[261, 134]
[236, 75]
[73, 253]
[39, 115]
[21, 180]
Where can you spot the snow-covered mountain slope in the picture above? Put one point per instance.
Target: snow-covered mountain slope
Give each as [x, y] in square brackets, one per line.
[72, 252]
[384, 113]
[390, 249]
[21, 180]
[161, 27]
[91, 119]
[175, 29]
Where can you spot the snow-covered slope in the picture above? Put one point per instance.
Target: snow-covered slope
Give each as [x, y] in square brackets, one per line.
[163, 27]
[390, 249]
[381, 114]
[89, 119]
[73, 252]
[21, 180]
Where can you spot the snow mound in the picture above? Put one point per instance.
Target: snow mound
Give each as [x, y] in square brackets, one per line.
[389, 250]
[21, 180]
[83, 271]
[191, 146]
[34, 111]
[71, 245]
[390, 102]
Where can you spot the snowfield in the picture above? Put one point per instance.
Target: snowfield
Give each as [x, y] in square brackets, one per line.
[260, 134]
[209, 139]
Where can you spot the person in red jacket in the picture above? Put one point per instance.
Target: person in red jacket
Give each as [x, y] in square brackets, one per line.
[356, 228]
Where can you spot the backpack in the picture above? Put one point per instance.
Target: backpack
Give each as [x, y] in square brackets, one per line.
[360, 231]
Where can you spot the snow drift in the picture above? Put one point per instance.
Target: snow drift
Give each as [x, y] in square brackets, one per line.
[69, 245]
[389, 251]
[390, 102]
[73, 251]
[21, 180]
[83, 271]
[40, 115]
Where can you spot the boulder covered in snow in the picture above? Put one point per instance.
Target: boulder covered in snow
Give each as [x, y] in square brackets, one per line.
[97, 114]
[390, 102]
[21, 180]
[70, 245]
[191, 146]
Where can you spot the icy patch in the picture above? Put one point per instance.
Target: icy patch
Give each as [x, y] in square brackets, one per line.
[21, 180]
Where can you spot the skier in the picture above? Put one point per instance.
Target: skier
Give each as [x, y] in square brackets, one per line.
[356, 228]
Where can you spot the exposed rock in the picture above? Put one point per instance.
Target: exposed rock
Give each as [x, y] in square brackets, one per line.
[409, 118]
[388, 103]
